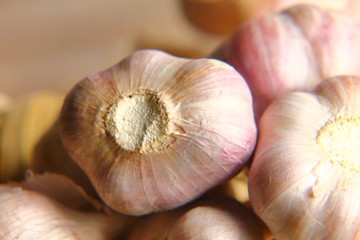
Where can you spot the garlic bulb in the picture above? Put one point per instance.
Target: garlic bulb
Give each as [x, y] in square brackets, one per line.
[292, 50]
[304, 179]
[223, 17]
[53, 207]
[156, 131]
[211, 218]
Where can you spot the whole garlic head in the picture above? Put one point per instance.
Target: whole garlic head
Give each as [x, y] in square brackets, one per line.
[292, 51]
[304, 180]
[156, 131]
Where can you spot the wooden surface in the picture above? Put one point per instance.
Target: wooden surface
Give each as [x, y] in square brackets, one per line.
[47, 44]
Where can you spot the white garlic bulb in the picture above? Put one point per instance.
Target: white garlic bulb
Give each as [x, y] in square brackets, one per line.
[293, 50]
[51, 207]
[304, 180]
[156, 131]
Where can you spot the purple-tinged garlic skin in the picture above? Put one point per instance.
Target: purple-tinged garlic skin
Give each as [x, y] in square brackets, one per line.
[156, 131]
[216, 218]
[292, 51]
[305, 175]
[52, 207]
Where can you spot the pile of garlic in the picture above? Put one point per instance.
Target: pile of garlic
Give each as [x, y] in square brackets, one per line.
[258, 141]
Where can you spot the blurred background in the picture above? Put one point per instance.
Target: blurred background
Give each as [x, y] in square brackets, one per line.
[46, 44]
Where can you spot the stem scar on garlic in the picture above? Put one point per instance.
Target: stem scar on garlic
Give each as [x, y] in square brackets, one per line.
[303, 181]
[139, 122]
[340, 140]
[156, 131]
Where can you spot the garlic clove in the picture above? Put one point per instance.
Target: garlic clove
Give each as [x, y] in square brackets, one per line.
[210, 218]
[23, 127]
[28, 211]
[31, 140]
[236, 187]
[303, 181]
[156, 131]
[292, 51]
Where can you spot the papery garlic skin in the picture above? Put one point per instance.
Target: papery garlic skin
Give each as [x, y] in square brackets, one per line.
[221, 220]
[52, 207]
[201, 133]
[300, 186]
[211, 218]
[292, 51]
[27, 215]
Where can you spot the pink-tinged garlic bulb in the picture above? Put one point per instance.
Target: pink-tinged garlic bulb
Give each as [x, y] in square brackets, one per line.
[209, 219]
[52, 207]
[293, 50]
[156, 131]
[304, 180]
